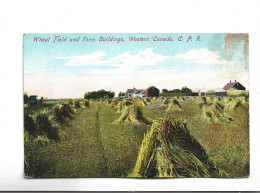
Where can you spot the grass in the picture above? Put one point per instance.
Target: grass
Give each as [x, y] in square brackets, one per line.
[31, 110]
[92, 146]
[238, 93]
[95, 147]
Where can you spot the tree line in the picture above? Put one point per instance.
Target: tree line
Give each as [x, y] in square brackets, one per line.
[183, 90]
[99, 94]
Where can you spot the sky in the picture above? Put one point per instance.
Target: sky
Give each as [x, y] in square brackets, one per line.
[69, 65]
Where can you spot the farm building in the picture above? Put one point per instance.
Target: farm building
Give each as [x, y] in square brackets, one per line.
[149, 92]
[139, 93]
[134, 92]
[234, 86]
[202, 92]
[129, 92]
[33, 99]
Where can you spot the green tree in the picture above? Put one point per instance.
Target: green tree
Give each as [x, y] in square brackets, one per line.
[26, 99]
[121, 94]
[99, 94]
[186, 90]
[175, 91]
[165, 90]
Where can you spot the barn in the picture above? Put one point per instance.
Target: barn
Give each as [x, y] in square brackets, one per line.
[234, 86]
[151, 92]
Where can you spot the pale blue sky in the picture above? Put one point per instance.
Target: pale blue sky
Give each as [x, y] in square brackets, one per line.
[69, 69]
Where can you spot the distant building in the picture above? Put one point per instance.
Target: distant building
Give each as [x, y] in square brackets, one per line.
[141, 93]
[133, 92]
[33, 99]
[234, 86]
[152, 92]
[130, 92]
[202, 92]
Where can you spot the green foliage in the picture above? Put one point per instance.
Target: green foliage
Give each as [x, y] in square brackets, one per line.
[186, 90]
[183, 90]
[211, 93]
[77, 104]
[171, 91]
[165, 90]
[86, 103]
[26, 98]
[99, 94]
[121, 94]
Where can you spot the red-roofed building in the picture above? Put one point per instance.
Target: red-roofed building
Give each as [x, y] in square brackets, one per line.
[129, 92]
[234, 86]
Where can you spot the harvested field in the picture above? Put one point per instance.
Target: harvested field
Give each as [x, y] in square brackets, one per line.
[118, 137]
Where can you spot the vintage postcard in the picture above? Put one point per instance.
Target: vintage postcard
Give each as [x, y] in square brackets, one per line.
[136, 105]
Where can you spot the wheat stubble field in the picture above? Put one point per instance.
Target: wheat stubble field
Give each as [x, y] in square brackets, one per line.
[133, 137]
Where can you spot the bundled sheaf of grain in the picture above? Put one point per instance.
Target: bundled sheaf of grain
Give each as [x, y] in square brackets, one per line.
[147, 100]
[204, 101]
[132, 115]
[244, 102]
[29, 125]
[174, 105]
[216, 113]
[216, 99]
[199, 100]
[66, 110]
[45, 126]
[122, 105]
[165, 102]
[57, 114]
[145, 165]
[70, 102]
[192, 98]
[139, 101]
[219, 105]
[77, 104]
[86, 103]
[234, 104]
[161, 98]
[168, 150]
[115, 101]
[62, 113]
[226, 99]
[109, 101]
